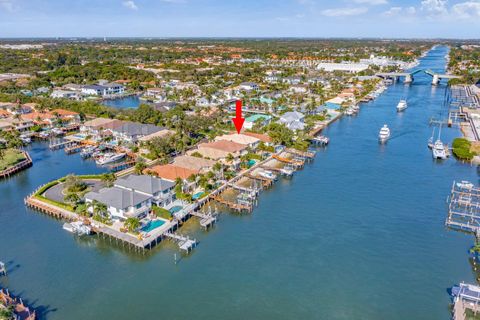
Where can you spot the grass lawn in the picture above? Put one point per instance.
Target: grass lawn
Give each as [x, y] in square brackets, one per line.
[470, 315]
[10, 158]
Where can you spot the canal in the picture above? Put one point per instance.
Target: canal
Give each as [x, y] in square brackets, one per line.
[357, 234]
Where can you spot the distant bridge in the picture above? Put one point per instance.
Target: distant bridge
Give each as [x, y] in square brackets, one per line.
[436, 77]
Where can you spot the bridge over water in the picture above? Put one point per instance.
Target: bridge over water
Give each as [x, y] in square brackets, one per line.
[409, 76]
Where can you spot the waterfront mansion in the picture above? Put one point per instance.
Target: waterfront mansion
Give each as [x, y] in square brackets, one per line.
[133, 196]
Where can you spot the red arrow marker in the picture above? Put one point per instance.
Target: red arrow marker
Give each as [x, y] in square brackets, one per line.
[238, 120]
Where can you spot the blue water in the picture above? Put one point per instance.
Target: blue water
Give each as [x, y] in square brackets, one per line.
[198, 195]
[122, 103]
[152, 225]
[357, 234]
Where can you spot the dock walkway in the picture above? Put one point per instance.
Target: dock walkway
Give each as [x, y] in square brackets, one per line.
[184, 242]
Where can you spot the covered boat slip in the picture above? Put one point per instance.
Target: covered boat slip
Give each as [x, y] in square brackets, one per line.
[464, 207]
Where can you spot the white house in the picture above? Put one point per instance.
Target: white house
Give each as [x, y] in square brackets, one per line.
[293, 120]
[248, 86]
[121, 203]
[159, 190]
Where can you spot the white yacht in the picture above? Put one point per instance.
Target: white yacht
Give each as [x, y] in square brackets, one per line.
[268, 174]
[384, 134]
[25, 138]
[109, 158]
[438, 150]
[77, 227]
[465, 184]
[402, 105]
[349, 112]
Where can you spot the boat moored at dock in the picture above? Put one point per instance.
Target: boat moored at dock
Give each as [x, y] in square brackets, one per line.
[109, 158]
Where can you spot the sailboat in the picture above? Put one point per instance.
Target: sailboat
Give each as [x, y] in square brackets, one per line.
[438, 150]
[430, 141]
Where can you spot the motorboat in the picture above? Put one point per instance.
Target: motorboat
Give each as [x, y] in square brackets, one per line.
[44, 134]
[384, 134]
[109, 158]
[349, 112]
[438, 150]
[77, 227]
[321, 140]
[465, 184]
[87, 152]
[25, 138]
[402, 105]
[268, 174]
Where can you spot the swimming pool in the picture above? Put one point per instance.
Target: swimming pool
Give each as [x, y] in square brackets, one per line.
[198, 195]
[175, 209]
[251, 163]
[152, 225]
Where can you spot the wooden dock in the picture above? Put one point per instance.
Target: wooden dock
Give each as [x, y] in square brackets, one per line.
[77, 147]
[206, 220]
[296, 163]
[310, 155]
[184, 242]
[121, 166]
[62, 144]
[233, 205]
[266, 182]
[18, 167]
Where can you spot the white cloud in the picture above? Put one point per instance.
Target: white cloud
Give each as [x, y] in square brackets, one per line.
[466, 10]
[400, 11]
[371, 2]
[344, 12]
[6, 5]
[130, 5]
[434, 7]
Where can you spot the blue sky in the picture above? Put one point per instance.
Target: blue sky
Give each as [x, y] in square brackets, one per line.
[247, 18]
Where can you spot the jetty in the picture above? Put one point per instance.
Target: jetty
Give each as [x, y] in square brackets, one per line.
[295, 162]
[240, 207]
[61, 144]
[309, 155]
[26, 163]
[206, 220]
[265, 181]
[184, 242]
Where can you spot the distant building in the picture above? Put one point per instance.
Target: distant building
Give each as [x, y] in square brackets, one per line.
[248, 86]
[345, 67]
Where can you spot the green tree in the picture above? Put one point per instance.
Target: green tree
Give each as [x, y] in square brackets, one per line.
[132, 224]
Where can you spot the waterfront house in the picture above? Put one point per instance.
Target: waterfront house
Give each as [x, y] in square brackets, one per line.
[293, 120]
[133, 131]
[200, 165]
[121, 203]
[4, 114]
[171, 172]
[250, 121]
[260, 136]
[94, 90]
[164, 133]
[220, 150]
[292, 80]
[96, 126]
[240, 138]
[159, 190]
